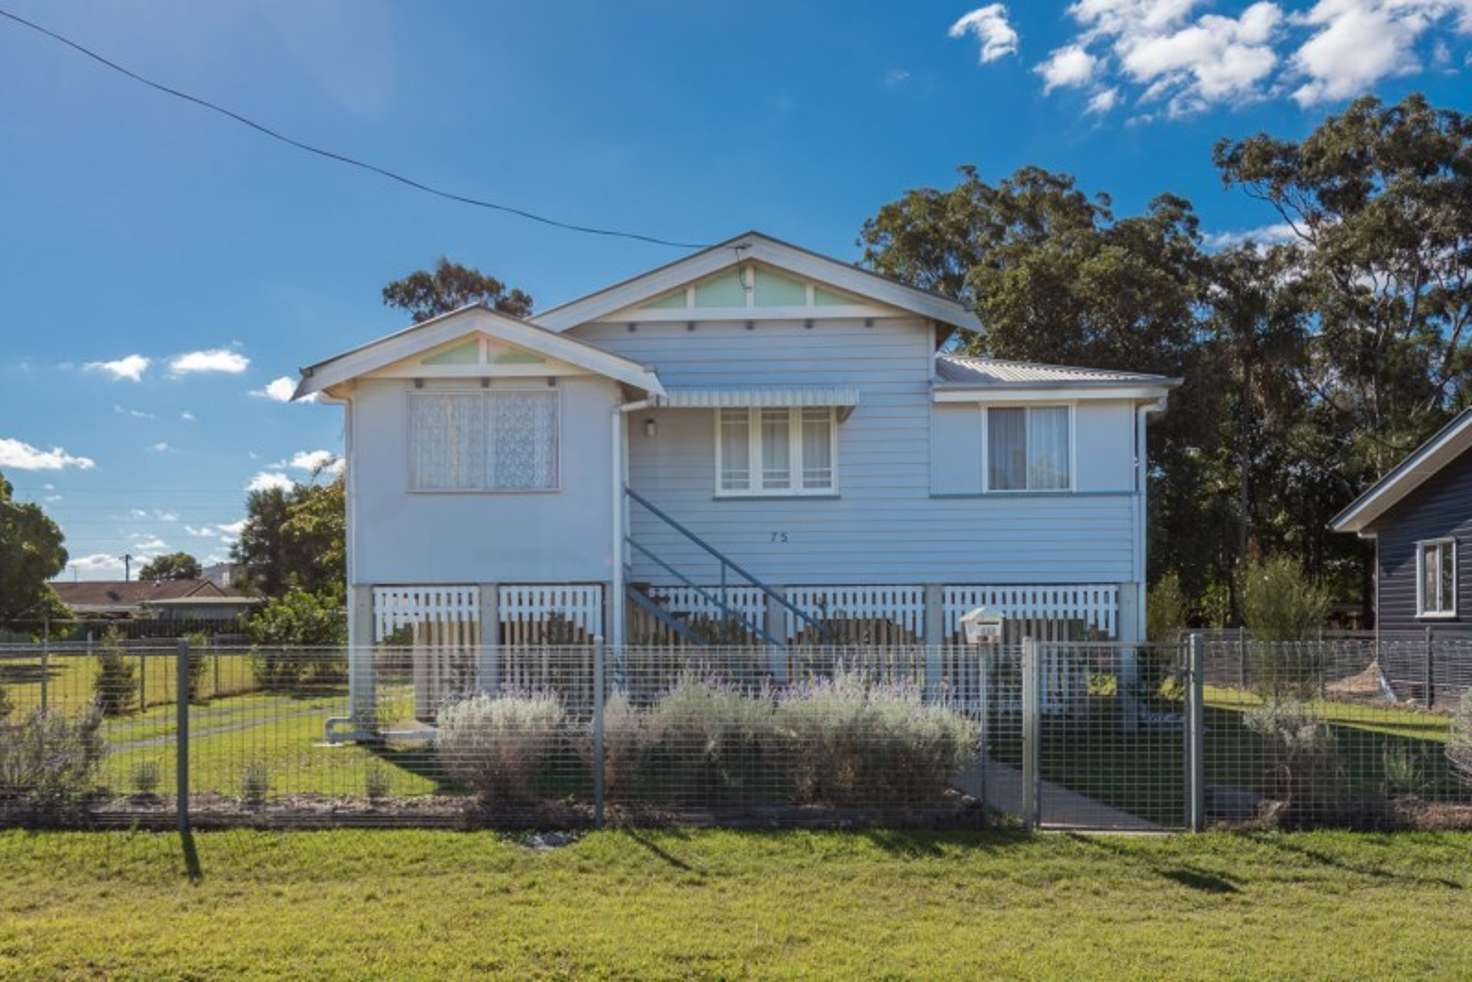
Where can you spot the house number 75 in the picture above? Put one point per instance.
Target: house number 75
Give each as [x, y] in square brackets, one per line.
[779, 536]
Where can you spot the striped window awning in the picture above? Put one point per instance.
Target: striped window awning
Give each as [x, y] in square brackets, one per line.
[844, 397]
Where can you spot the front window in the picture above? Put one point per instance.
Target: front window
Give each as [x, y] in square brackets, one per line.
[776, 451]
[1436, 586]
[484, 441]
[1028, 448]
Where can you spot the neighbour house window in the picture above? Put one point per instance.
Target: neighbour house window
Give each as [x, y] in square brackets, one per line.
[484, 441]
[776, 451]
[1436, 580]
[1028, 448]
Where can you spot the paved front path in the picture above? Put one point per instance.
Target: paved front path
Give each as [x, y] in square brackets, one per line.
[1062, 808]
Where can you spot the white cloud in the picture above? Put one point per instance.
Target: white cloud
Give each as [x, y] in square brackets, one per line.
[1103, 101]
[1067, 66]
[280, 390]
[1274, 234]
[95, 562]
[24, 457]
[210, 360]
[991, 29]
[315, 460]
[265, 480]
[130, 367]
[187, 416]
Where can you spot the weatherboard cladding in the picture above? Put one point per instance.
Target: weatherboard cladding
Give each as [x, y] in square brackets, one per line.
[1439, 508]
[884, 525]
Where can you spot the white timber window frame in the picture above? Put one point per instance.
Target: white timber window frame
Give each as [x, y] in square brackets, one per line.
[487, 397]
[1027, 408]
[1436, 585]
[804, 478]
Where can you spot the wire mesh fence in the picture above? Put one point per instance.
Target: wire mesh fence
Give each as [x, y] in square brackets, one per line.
[1088, 735]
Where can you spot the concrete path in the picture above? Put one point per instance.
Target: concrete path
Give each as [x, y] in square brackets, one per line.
[1062, 808]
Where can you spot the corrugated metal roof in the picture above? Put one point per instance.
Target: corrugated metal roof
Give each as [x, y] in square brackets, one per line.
[966, 370]
[742, 396]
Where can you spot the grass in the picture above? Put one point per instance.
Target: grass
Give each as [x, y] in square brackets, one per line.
[721, 904]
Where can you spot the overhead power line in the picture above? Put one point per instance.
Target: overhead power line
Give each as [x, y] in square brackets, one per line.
[343, 158]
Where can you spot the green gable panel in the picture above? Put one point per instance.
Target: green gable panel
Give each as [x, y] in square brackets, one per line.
[776, 290]
[721, 291]
[462, 354]
[515, 356]
[673, 299]
[823, 297]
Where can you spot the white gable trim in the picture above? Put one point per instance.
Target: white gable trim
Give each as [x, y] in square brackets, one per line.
[457, 324]
[1405, 477]
[754, 246]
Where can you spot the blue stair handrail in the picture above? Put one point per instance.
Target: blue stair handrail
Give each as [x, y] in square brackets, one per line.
[726, 563]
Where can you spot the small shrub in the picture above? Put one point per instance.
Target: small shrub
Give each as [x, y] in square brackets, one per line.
[145, 777]
[1165, 609]
[498, 746]
[712, 741]
[1404, 771]
[849, 742]
[255, 783]
[625, 741]
[377, 782]
[115, 685]
[1280, 603]
[1301, 757]
[1459, 744]
[48, 754]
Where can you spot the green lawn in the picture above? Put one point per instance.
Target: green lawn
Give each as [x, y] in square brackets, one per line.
[723, 904]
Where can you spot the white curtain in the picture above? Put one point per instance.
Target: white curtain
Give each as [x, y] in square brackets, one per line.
[776, 450]
[447, 434]
[1047, 448]
[1006, 441]
[735, 450]
[817, 448]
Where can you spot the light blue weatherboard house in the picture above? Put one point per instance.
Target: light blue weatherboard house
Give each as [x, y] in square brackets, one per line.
[753, 431]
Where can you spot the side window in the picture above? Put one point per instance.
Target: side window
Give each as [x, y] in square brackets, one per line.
[1436, 580]
[1028, 448]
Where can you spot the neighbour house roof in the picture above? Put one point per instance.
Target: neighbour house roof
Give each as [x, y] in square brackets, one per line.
[473, 319]
[964, 376]
[754, 246]
[120, 595]
[1445, 446]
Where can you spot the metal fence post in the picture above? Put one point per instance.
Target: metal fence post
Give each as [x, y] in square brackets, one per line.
[1196, 736]
[1430, 684]
[45, 663]
[598, 700]
[181, 762]
[1031, 732]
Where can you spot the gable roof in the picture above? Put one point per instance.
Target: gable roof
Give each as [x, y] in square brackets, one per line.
[132, 593]
[762, 248]
[470, 319]
[1445, 446]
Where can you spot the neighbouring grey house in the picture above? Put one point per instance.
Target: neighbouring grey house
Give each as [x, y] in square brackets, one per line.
[754, 432]
[1420, 518]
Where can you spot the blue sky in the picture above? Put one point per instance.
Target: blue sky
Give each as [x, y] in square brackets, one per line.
[136, 227]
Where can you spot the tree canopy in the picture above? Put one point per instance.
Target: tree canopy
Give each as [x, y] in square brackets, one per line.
[31, 553]
[450, 286]
[171, 566]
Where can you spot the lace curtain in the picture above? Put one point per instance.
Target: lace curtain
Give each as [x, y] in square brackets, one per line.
[484, 441]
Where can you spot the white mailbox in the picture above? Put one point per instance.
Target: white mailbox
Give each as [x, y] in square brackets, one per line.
[982, 626]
